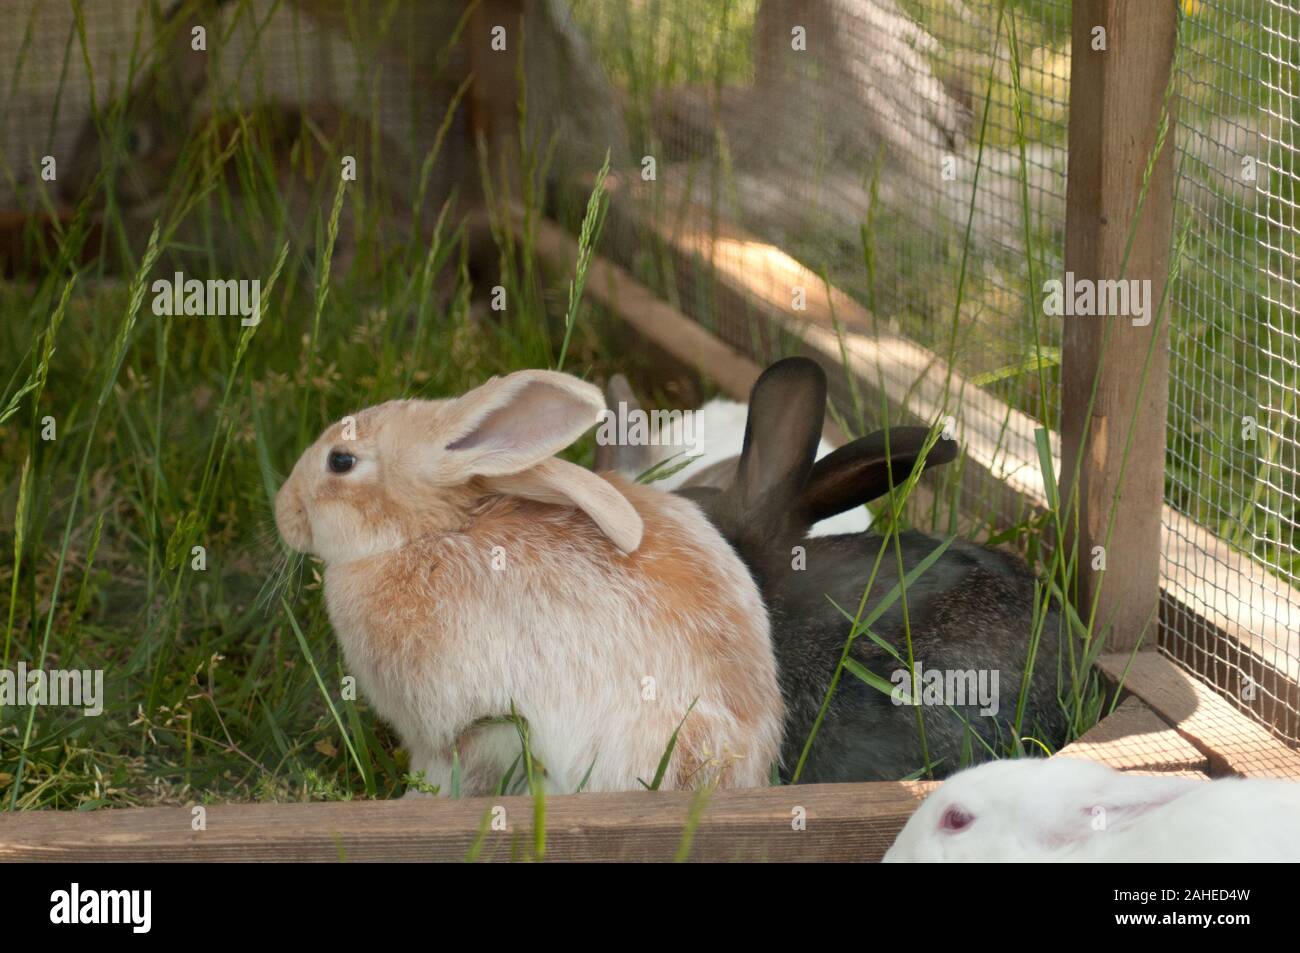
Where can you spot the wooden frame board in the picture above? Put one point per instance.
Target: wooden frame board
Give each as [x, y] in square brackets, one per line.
[816, 822]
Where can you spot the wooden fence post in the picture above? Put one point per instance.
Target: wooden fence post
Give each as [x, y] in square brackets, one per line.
[1121, 61]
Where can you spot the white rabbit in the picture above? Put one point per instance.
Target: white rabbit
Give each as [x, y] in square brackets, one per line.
[1066, 809]
[467, 571]
[713, 449]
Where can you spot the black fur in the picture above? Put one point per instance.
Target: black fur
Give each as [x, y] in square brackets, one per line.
[971, 610]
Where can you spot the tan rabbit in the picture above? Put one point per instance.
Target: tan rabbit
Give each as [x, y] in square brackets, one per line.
[469, 571]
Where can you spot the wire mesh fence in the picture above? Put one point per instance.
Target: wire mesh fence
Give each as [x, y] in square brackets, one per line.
[878, 144]
[1232, 459]
[915, 155]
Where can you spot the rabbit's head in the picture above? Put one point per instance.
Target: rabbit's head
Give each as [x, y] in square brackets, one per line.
[410, 468]
[778, 492]
[140, 136]
[1028, 809]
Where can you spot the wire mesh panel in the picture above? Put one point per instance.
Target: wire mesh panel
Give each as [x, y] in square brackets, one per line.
[911, 153]
[1233, 440]
[878, 144]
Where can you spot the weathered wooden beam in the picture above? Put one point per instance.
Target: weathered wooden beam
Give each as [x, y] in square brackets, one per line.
[1119, 209]
[840, 822]
[649, 315]
[1233, 743]
[1135, 739]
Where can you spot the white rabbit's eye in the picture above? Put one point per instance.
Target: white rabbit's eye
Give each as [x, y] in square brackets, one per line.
[341, 461]
[955, 819]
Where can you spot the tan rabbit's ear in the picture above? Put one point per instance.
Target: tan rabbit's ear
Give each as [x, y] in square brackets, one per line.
[513, 422]
[563, 483]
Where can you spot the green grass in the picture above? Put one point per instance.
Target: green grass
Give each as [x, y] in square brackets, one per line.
[217, 680]
[212, 687]
[174, 432]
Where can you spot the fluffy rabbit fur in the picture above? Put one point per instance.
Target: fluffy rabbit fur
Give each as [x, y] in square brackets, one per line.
[468, 570]
[1064, 809]
[719, 438]
[971, 610]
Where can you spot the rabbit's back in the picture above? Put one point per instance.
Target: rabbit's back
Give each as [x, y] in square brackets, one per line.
[970, 617]
[531, 605]
[1226, 820]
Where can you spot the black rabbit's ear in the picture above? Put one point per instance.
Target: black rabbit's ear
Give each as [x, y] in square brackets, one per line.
[631, 461]
[786, 409]
[860, 471]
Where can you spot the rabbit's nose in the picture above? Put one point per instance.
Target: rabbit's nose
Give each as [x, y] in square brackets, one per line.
[291, 520]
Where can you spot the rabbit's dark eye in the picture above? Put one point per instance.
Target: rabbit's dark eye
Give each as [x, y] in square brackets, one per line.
[341, 462]
[137, 140]
[955, 819]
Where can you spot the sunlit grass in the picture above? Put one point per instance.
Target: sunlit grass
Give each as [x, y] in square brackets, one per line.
[174, 432]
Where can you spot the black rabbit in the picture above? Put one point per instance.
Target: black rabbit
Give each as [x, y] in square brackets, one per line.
[971, 611]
